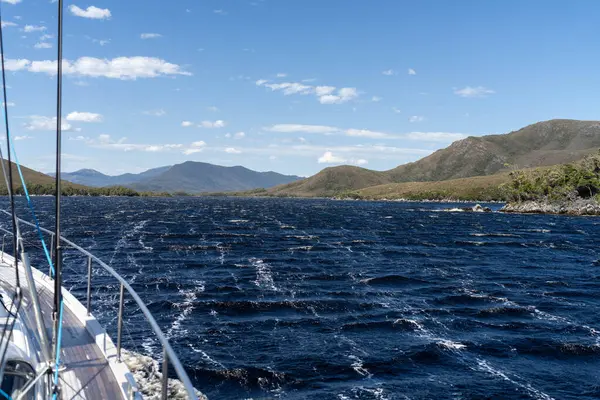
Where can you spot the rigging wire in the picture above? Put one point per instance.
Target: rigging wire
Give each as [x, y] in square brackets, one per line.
[17, 297]
[31, 207]
[10, 174]
[58, 301]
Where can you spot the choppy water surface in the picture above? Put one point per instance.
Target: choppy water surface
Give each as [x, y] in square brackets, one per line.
[295, 299]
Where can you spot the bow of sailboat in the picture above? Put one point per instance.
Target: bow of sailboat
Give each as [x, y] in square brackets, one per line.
[51, 346]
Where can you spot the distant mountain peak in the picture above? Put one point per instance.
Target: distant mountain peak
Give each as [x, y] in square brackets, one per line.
[189, 176]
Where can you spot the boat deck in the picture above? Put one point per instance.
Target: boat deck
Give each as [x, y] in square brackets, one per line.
[88, 373]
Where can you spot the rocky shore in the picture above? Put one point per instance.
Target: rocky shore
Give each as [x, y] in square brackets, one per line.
[148, 377]
[575, 207]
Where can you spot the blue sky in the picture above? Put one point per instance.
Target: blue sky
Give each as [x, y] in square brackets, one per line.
[291, 86]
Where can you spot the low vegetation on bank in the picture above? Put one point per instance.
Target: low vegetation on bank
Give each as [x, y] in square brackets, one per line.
[78, 190]
[566, 182]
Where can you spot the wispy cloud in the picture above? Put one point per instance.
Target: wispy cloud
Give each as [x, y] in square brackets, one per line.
[150, 35]
[281, 75]
[364, 133]
[41, 123]
[388, 72]
[212, 124]
[107, 142]
[195, 147]
[396, 110]
[43, 45]
[91, 12]
[478, 91]
[232, 150]
[155, 113]
[220, 12]
[416, 118]
[11, 1]
[34, 28]
[412, 71]
[376, 99]
[325, 94]
[125, 68]
[187, 124]
[6, 24]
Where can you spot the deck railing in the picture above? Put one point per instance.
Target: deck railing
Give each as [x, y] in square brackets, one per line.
[169, 355]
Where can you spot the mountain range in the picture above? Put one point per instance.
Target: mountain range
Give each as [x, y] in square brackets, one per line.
[472, 165]
[190, 177]
[541, 144]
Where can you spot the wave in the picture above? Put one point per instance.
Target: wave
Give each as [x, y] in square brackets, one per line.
[392, 280]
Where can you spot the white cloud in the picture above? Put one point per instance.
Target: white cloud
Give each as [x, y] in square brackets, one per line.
[187, 124]
[91, 12]
[388, 72]
[24, 137]
[9, 104]
[105, 141]
[6, 24]
[361, 161]
[228, 135]
[11, 1]
[344, 95]
[231, 150]
[84, 117]
[396, 110]
[416, 118]
[46, 36]
[220, 12]
[412, 71]
[329, 158]
[289, 128]
[376, 99]
[290, 88]
[281, 75]
[324, 90]
[34, 28]
[156, 113]
[43, 45]
[41, 123]
[101, 42]
[213, 109]
[239, 135]
[150, 35]
[195, 147]
[325, 94]
[212, 124]
[15, 65]
[479, 91]
[365, 133]
[116, 68]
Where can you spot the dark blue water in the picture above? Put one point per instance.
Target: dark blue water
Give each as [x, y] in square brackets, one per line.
[317, 299]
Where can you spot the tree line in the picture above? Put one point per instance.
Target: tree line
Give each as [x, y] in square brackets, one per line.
[70, 190]
[557, 183]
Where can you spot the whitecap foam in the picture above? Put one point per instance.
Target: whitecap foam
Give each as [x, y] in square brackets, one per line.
[357, 365]
[449, 344]
[264, 276]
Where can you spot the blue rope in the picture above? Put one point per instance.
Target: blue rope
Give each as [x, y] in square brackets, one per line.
[58, 342]
[30, 203]
[3, 393]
